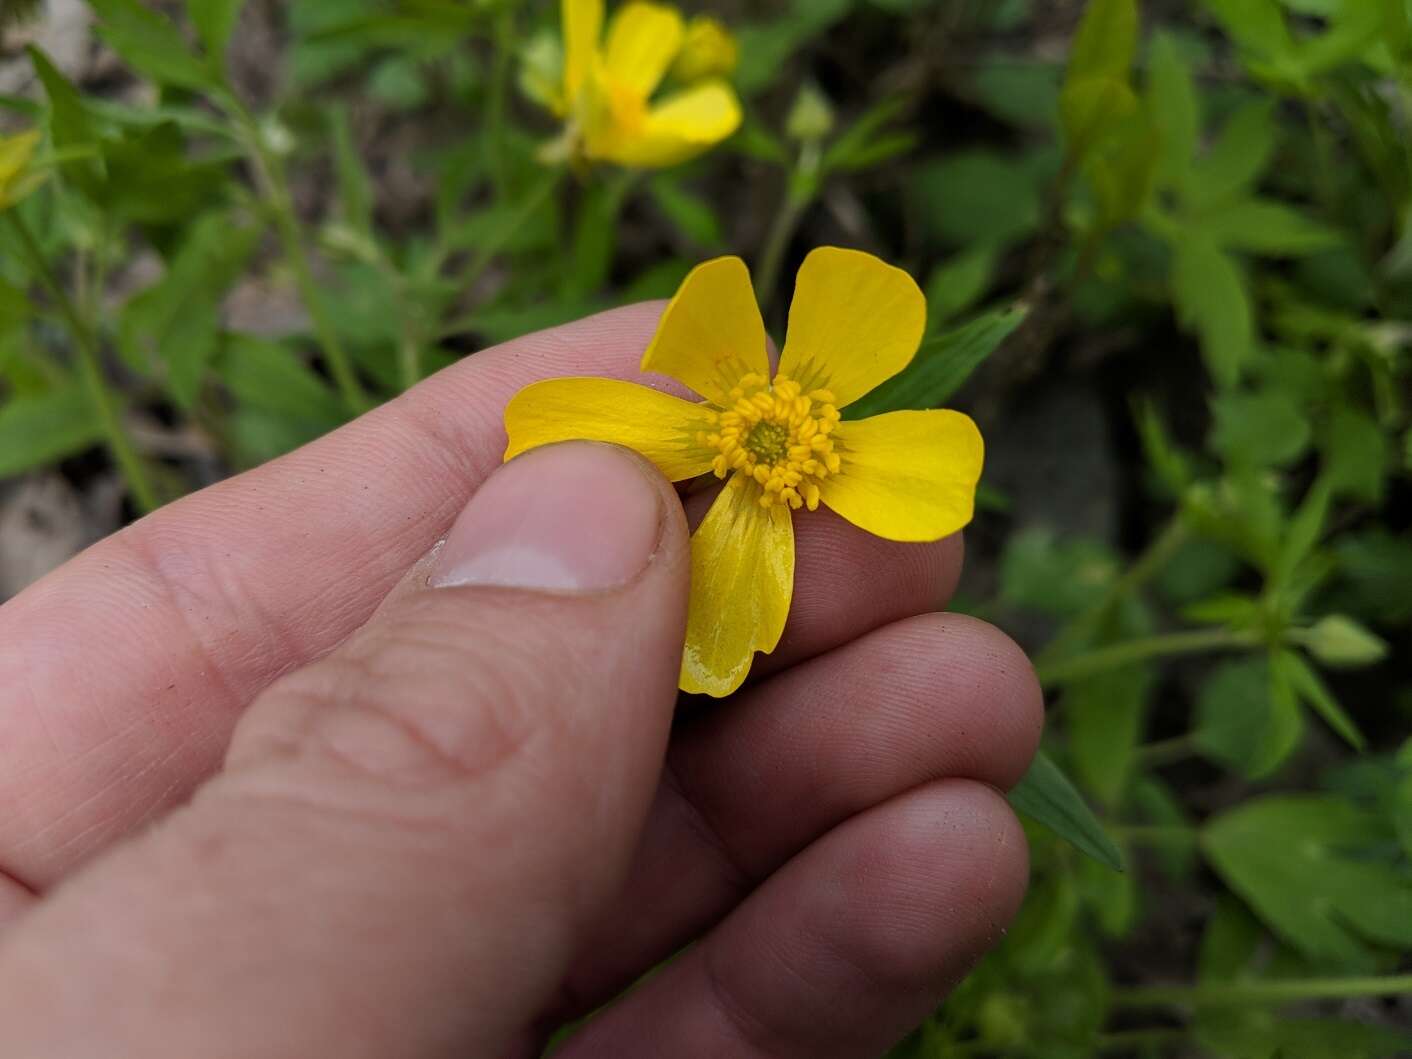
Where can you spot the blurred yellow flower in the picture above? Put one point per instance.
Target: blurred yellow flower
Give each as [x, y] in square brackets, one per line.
[17, 178]
[708, 51]
[608, 85]
[778, 438]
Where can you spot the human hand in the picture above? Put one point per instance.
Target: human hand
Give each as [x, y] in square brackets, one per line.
[404, 808]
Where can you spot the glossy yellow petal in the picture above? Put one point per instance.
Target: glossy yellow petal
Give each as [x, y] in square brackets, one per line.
[643, 40]
[711, 335]
[681, 127]
[855, 323]
[742, 578]
[583, 32]
[659, 426]
[907, 476]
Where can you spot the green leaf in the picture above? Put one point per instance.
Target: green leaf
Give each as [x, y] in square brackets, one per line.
[960, 282]
[1046, 796]
[1268, 228]
[187, 345]
[1247, 718]
[1175, 108]
[1122, 171]
[1045, 573]
[215, 21]
[1264, 429]
[1306, 529]
[942, 366]
[1316, 695]
[1106, 42]
[1106, 715]
[1091, 109]
[1256, 25]
[149, 42]
[1307, 865]
[355, 188]
[1239, 157]
[1209, 289]
[1356, 454]
[69, 125]
[972, 197]
[175, 322]
[39, 430]
[268, 376]
[689, 213]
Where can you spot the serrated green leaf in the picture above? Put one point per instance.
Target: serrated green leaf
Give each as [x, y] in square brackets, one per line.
[42, 429]
[1046, 796]
[1304, 864]
[942, 365]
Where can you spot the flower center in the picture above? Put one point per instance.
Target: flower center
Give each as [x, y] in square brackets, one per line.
[778, 436]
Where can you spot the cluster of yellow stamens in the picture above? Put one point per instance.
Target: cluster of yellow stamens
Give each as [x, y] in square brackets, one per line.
[779, 436]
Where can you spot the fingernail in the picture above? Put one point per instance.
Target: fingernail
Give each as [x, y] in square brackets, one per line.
[577, 517]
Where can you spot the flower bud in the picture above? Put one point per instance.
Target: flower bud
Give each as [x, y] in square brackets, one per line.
[1340, 641]
[709, 50]
[812, 116]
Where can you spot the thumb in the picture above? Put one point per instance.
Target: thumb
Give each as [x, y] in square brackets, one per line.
[411, 834]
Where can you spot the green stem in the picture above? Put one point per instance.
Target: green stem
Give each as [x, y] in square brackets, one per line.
[1239, 994]
[497, 96]
[1153, 834]
[1165, 751]
[781, 234]
[1118, 655]
[274, 185]
[105, 403]
[529, 206]
[1150, 563]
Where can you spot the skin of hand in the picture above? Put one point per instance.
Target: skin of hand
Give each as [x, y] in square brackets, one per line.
[376, 751]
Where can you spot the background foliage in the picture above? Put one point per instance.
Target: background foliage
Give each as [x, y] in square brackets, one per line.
[1168, 254]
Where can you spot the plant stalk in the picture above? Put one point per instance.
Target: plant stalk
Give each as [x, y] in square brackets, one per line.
[1239, 994]
[274, 185]
[105, 403]
[1115, 656]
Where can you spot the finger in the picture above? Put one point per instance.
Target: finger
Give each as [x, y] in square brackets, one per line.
[125, 672]
[409, 834]
[752, 784]
[844, 950]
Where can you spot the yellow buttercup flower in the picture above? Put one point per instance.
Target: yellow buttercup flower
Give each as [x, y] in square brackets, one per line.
[17, 177]
[608, 85]
[779, 439]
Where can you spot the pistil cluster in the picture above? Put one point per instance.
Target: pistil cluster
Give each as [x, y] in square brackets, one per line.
[779, 436]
